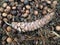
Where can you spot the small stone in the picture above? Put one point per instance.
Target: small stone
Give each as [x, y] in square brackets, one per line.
[58, 28]
[25, 15]
[22, 0]
[44, 12]
[28, 6]
[49, 2]
[5, 19]
[55, 2]
[4, 5]
[8, 28]
[49, 10]
[14, 7]
[45, 8]
[8, 8]
[27, 11]
[41, 6]
[11, 0]
[35, 12]
[9, 40]
[4, 14]
[9, 16]
[1, 9]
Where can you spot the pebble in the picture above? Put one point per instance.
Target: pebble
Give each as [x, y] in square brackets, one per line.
[44, 12]
[9, 40]
[22, 0]
[58, 28]
[5, 19]
[1, 9]
[11, 0]
[9, 28]
[4, 14]
[35, 12]
[4, 5]
[28, 6]
[27, 11]
[41, 6]
[8, 8]
[14, 7]
[25, 15]
[9, 16]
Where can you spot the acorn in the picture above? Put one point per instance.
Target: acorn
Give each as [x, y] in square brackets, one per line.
[58, 28]
[35, 12]
[1, 9]
[4, 5]
[4, 14]
[28, 6]
[9, 40]
[9, 28]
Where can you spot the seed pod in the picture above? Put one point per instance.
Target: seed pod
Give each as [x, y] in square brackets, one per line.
[4, 14]
[4, 5]
[9, 40]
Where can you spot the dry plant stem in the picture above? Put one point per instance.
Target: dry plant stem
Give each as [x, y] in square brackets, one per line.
[31, 26]
[56, 34]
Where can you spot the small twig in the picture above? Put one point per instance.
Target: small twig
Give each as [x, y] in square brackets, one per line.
[56, 34]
